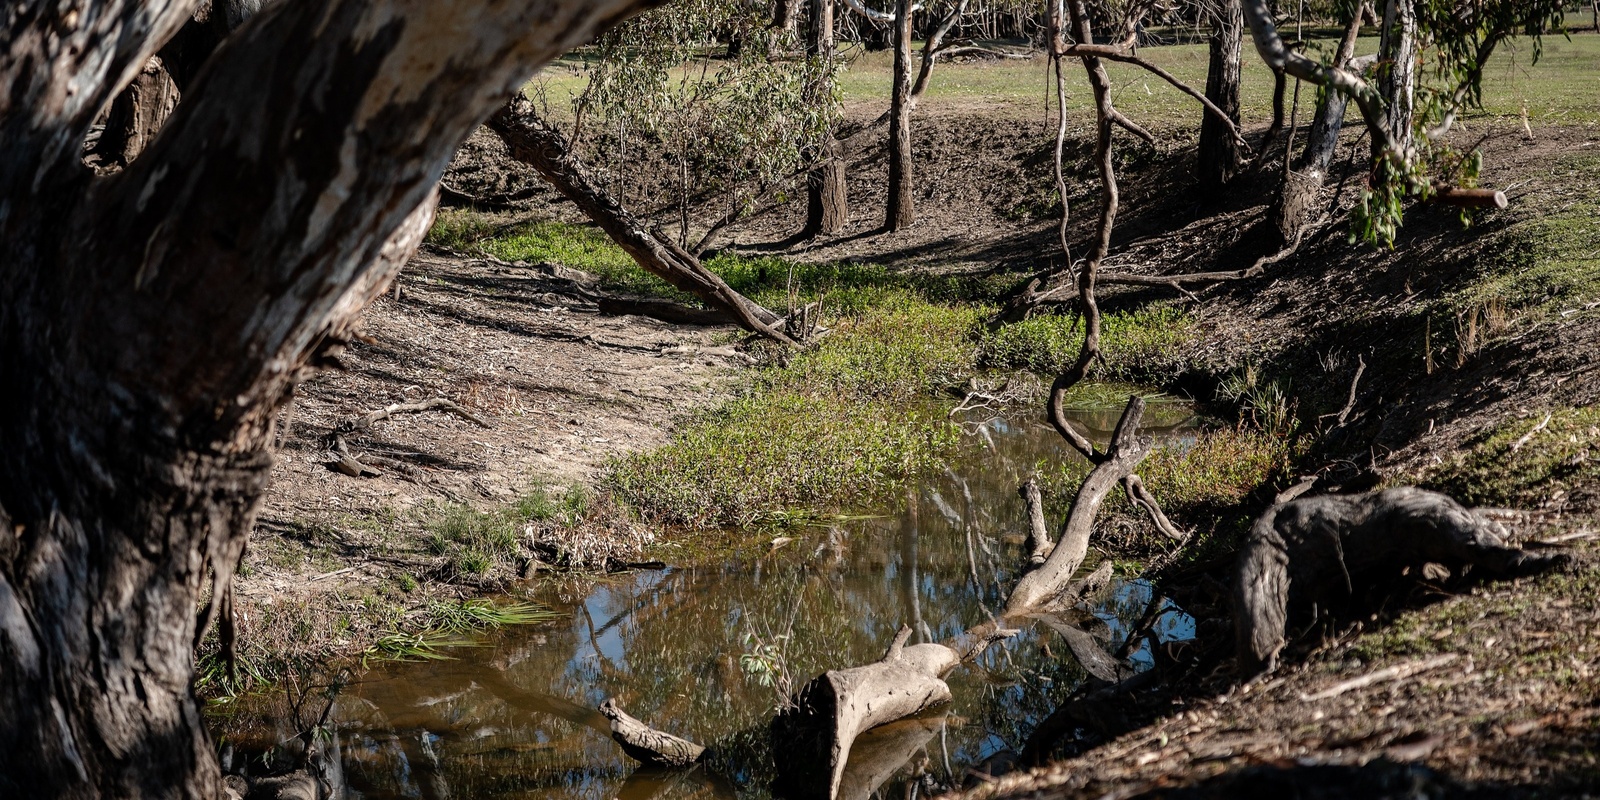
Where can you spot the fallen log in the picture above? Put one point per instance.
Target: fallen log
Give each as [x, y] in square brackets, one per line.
[646, 744]
[1315, 551]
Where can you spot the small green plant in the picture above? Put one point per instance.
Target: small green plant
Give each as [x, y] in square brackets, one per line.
[1268, 405]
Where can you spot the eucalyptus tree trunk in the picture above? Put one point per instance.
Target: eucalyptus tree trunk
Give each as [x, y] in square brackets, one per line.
[900, 212]
[1397, 58]
[154, 320]
[1218, 152]
[1303, 181]
[828, 199]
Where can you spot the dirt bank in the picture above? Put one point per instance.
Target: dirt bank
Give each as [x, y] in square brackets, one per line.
[337, 559]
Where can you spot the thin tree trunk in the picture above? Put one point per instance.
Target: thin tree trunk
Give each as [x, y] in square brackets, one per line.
[1218, 153]
[900, 211]
[153, 321]
[828, 199]
[540, 146]
[1397, 55]
[1303, 181]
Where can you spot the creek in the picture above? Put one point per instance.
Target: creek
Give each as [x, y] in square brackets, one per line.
[705, 650]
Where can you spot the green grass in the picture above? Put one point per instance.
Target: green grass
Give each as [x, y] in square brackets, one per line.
[1138, 345]
[1548, 259]
[839, 425]
[1559, 458]
[1215, 470]
[474, 542]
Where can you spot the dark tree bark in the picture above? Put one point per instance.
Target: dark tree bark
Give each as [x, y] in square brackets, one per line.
[153, 321]
[1218, 153]
[137, 114]
[535, 143]
[900, 211]
[143, 107]
[1304, 179]
[1316, 552]
[828, 199]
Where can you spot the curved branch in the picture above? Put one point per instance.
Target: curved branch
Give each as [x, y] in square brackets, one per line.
[1278, 56]
[1124, 56]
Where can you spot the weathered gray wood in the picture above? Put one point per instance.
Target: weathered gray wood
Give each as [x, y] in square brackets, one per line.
[1319, 550]
[646, 744]
[1038, 544]
[1126, 450]
[813, 738]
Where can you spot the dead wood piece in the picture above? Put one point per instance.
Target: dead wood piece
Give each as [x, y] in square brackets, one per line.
[1396, 672]
[646, 744]
[1039, 544]
[367, 420]
[1469, 198]
[1316, 551]
[1082, 588]
[812, 739]
[1142, 498]
[1126, 450]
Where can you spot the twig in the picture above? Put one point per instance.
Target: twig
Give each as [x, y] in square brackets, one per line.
[365, 421]
[1396, 672]
[1528, 437]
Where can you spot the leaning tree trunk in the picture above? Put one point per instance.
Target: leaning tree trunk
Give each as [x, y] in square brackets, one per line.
[153, 321]
[1304, 179]
[828, 200]
[1218, 156]
[900, 213]
[535, 143]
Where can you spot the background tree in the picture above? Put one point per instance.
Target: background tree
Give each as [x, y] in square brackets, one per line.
[1218, 156]
[827, 195]
[152, 322]
[900, 211]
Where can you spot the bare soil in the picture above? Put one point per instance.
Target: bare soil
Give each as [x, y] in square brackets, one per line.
[561, 387]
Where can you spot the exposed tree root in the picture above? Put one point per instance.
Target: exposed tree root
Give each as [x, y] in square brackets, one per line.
[1317, 550]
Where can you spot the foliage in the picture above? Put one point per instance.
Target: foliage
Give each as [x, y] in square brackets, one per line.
[725, 126]
[1457, 40]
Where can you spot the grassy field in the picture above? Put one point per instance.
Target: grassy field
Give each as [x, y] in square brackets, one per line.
[1563, 87]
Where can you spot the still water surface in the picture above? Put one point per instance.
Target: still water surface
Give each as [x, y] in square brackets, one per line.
[514, 716]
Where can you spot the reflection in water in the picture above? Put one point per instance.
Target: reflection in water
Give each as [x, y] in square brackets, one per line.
[515, 716]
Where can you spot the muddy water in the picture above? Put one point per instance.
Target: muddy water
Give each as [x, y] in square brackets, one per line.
[704, 651]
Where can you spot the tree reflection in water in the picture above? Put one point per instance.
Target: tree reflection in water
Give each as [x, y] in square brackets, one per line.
[515, 716]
